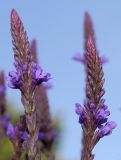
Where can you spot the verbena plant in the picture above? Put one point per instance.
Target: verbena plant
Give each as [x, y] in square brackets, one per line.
[33, 135]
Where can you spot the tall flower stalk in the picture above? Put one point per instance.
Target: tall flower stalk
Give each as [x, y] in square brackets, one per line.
[47, 133]
[93, 117]
[26, 78]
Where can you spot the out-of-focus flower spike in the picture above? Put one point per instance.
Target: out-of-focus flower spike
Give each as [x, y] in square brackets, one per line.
[18, 135]
[2, 94]
[2, 105]
[47, 133]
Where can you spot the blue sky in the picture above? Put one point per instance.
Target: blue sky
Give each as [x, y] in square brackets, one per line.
[58, 27]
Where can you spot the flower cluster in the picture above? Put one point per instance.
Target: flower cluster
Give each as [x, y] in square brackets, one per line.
[23, 133]
[93, 117]
[15, 77]
[99, 117]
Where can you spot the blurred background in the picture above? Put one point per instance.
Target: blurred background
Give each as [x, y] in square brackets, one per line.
[57, 25]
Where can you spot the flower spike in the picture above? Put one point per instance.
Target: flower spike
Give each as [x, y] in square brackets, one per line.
[93, 117]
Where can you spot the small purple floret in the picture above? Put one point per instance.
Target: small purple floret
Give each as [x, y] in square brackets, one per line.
[14, 80]
[41, 135]
[79, 58]
[107, 129]
[92, 107]
[10, 131]
[80, 111]
[102, 114]
[48, 85]
[103, 59]
[38, 76]
[24, 136]
[5, 121]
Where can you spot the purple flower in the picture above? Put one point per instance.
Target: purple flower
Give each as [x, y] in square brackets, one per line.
[52, 134]
[48, 85]
[14, 80]
[79, 109]
[10, 131]
[24, 136]
[38, 76]
[103, 60]
[25, 67]
[102, 114]
[5, 121]
[79, 58]
[81, 112]
[107, 129]
[91, 107]
[41, 135]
